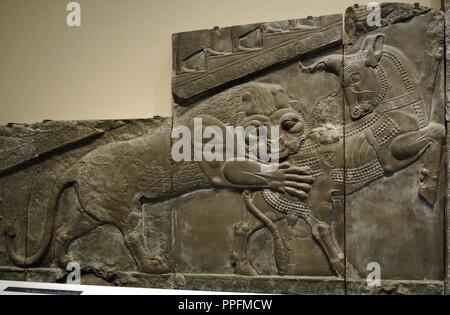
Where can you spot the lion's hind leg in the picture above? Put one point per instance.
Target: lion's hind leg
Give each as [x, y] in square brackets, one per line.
[134, 238]
[75, 223]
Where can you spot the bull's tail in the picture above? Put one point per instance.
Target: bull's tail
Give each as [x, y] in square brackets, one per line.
[11, 232]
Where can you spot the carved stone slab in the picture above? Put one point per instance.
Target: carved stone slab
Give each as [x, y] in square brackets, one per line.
[395, 194]
[244, 51]
[26, 190]
[271, 85]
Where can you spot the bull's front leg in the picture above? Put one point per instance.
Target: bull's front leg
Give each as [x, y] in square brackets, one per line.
[239, 258]
[429, 175]
[430, 140]
[408, 148]
[324, 235]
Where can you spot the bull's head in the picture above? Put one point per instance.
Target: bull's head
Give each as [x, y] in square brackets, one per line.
[357, 74]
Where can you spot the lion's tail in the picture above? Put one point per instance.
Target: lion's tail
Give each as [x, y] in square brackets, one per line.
[11, 232]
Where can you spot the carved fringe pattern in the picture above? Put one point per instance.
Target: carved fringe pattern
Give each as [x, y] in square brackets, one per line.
[359, 126]
[418, 107]
[305, 119]
[382, 76]
[402, 70]
[307, 147]
[386, 132]
[361, 175]
[408, 99]
[311, 161]
[296, 208]
[384, 128]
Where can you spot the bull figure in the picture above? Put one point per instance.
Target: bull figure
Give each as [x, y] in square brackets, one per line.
[388, 112]
[387, 132]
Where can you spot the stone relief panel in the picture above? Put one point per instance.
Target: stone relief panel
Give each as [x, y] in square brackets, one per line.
[66, 209]
[272, 228]
[395, 118]
[357, 175]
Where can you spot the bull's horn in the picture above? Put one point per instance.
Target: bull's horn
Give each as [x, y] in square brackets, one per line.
[331, 64]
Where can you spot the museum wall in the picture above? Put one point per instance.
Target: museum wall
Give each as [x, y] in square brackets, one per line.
[117, 65]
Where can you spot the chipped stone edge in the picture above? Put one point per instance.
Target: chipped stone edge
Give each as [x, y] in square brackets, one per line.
[446, 4]
[396, 287]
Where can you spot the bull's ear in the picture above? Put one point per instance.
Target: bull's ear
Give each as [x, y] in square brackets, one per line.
[374, 46]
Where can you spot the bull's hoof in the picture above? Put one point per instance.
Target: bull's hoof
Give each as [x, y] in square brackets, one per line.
[244, 268]
[428, 195]
[338, 266]
[63, 260]
[436, 132]
[155, 265]
[351, 272]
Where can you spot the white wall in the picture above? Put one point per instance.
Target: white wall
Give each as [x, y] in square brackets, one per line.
[118, 63]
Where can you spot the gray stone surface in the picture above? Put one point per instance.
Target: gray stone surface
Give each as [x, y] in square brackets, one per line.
[397, 221]
[90, 251]
[261, 284]
[205, 224]
[447, 99]
[447, 57]
[45, 275]
[12, 274]
[26, 192]
[396, 288]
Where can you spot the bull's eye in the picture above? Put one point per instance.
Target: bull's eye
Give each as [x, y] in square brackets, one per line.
[329, 158]
[354, 78]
